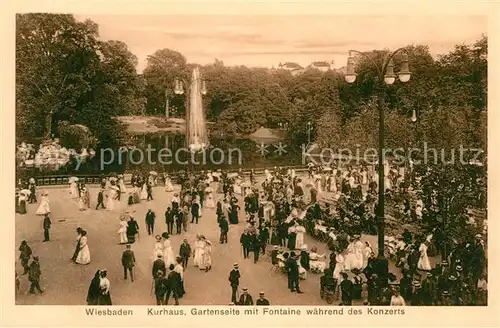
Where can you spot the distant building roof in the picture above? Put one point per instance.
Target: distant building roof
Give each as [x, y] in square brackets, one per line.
[290, 65]
[320, 64]
[265, 135]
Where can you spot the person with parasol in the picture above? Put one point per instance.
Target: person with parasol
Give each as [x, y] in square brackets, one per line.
[44, 207]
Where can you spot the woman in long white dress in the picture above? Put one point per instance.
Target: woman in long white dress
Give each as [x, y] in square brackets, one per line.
[44, 207]
[237, 186]
[423, 261]
[209, 198]
[81, 203]
[358, 255]
[299, 239]
[121, 184]
[111, 203]
[122, 231]
[168, 184]
[302, 271]
[207, 254]
[158, 249]
[199, 245]
[168, 253]
[144, 192]
[339, 266]
[83, 256]
[73, 187]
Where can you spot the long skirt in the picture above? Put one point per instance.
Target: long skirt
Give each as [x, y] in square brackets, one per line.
[105, 299]
[131, 238]
[22, 207]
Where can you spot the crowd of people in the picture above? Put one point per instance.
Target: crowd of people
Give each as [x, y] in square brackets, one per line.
[279, 212]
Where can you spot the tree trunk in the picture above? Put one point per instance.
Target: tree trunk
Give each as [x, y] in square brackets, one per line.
[48, 124]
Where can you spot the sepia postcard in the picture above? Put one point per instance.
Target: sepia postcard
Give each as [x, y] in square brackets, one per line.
[249, 163]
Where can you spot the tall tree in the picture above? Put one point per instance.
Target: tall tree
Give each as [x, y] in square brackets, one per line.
[55, 56]
[162, 68]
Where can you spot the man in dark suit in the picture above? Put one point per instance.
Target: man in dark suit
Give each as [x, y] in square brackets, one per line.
[262, 300]
[245, 241]
[46, 227]
[34, 275]
[173, 285]
[263, 238]
[234, 280]
[224, 228]
[169, 220]
[149, 189]
[185, 253]
[159, 265]
[293, 273]
[150, 221]
[128, 263]
[179, 219]
[195, 212]
[100, 200]
[245, 298]
[161, 287]
[255, 246]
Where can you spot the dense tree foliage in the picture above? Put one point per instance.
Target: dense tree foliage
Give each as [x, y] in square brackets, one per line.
[66, 73]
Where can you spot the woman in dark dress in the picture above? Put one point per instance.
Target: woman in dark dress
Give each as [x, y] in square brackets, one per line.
[132, 230]
[292, 238]
[94, 289]
[233, 216]
[17, 201]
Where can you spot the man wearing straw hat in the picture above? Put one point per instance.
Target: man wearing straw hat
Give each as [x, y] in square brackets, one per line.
[245, 298]
[234, 281]
[262, 300]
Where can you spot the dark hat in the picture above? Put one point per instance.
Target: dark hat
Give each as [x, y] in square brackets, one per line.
[164, 235]
[36, 258]
[235, 265]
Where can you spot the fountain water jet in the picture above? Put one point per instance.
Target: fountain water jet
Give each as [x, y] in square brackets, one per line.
[196, 126]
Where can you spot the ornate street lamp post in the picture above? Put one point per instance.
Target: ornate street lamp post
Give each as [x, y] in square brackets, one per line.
[385, 73]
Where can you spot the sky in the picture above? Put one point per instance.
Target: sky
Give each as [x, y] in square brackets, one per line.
[265, 41]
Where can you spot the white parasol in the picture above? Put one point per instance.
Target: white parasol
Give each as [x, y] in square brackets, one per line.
[25, 191]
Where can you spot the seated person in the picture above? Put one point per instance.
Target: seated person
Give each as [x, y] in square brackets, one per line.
[316, 265]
